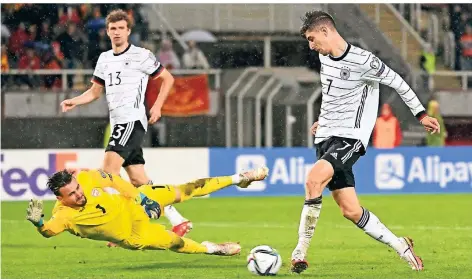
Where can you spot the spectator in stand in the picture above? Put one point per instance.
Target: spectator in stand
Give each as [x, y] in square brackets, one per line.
[194, 58]
[5, 32]
[455, 19]
[466, 45]
[85, 12]
[5, 65]
[17, 40]
[29, 61]
[428, 63]
[70, 46]
[167, 56]
[51, 62]
[387, 130]
[95, 23]
[97, 47]
[56, 48]
[33, 33]
[45, 35]
[437, 139]
[69, 14]
[137, 22]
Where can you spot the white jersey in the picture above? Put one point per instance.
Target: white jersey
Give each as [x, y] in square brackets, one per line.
[125, 78]
[350, 94]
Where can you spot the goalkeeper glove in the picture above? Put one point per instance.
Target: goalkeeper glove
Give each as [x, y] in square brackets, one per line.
[152, 208]
[34, 212]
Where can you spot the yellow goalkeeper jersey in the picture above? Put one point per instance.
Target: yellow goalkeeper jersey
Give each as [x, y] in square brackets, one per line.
[112, 206]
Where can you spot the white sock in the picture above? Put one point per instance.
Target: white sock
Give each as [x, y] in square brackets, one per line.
[211, 247]
[309, 217]
[378, 231]
[236, 178]
[175, 218]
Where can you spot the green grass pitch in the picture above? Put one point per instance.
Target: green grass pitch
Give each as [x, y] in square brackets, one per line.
[441, 226]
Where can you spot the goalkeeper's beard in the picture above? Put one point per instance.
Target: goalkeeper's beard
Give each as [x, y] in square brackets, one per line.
[84, 201]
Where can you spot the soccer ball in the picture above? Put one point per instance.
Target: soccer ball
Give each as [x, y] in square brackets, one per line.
[264, 260]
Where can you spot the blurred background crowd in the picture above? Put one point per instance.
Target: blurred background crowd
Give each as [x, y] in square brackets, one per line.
[72, 36]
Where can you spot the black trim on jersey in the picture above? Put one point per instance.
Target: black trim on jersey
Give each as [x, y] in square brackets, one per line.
[420, 115]
[118, 54]
[385, 75]
[342, 56]
[157, 72]
[98, 80]
[361, 108]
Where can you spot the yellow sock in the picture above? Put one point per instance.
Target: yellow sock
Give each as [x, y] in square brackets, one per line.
[205, 186]
[191, 247]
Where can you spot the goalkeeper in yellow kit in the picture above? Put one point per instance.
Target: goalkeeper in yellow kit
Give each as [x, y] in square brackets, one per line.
[102, 206]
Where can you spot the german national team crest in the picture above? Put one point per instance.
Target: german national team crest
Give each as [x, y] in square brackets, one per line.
[345, 73]
[95, 192]
[375, 63]
[127, 62]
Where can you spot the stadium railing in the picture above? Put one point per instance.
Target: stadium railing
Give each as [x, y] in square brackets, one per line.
[406, 29]
[465, 76]
[89, 72]
[414, 12]
[449, 53]
[230, 17]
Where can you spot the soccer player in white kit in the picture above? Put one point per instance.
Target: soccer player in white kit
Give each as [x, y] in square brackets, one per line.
[124, 72]
[350, 78]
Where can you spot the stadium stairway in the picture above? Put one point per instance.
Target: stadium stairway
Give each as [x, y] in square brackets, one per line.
[290, 88]
[392, 28]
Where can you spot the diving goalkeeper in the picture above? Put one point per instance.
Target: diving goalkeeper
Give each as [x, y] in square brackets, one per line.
[102, 206]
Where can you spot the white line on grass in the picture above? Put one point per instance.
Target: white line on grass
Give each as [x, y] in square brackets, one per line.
[295, 226]
[329, 225]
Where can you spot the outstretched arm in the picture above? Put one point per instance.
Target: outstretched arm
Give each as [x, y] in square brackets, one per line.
[377, 71]
[98, 82]
[87, 97]
[53, 227]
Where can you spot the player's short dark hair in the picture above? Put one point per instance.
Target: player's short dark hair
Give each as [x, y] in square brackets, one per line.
[118, 15]
[59, 180]
[314, 19]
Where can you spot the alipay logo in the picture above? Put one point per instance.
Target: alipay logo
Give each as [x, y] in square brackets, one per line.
[249, 162]
[389, 171]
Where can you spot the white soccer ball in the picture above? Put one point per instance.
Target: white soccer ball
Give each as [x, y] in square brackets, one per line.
[264, 260]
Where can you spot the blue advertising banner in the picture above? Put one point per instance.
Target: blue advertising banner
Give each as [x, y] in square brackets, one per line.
[399, 170]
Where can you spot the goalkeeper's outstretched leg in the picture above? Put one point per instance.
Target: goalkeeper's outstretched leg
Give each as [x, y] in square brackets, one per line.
[170, 194]
[149, 236]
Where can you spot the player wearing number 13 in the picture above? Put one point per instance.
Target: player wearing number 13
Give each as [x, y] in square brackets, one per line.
[124, 72]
